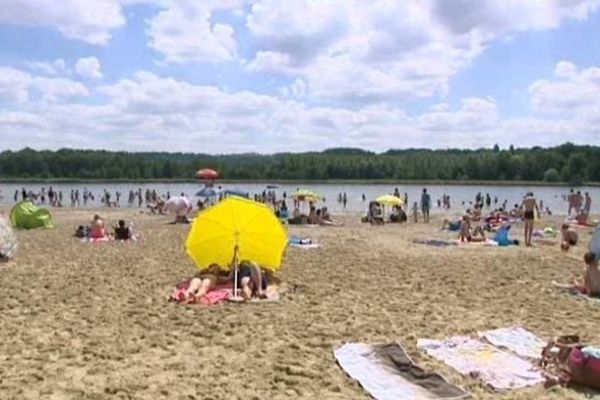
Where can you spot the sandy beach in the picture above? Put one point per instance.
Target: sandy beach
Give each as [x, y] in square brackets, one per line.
[92, 321]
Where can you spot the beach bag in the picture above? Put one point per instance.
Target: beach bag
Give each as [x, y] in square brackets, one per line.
[565, 363]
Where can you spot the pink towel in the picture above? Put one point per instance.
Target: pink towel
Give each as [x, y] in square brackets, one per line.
[215, 296]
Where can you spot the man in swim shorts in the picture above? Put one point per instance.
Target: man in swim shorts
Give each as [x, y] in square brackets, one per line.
[529, 207]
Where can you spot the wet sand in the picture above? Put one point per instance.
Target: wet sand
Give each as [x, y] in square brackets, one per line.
[91, 321]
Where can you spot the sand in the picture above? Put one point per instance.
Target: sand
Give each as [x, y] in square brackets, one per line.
[91, 321]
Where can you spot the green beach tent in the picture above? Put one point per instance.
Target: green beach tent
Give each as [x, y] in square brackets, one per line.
[26, 215]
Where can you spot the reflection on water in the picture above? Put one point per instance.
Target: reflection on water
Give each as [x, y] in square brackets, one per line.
[460, 195]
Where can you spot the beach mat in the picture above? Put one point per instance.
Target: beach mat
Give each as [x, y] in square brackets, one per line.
[435, 242]
[516, 339]
[499, 369]
[302, 243]
[388, 373]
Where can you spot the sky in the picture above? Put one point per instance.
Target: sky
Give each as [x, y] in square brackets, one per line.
[265, 76]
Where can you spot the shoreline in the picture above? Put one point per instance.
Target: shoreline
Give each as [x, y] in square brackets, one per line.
[305, 181]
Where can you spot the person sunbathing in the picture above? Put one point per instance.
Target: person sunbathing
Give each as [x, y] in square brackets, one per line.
[325, 218]
[206, 280]
[569, 237]
[591, 278]
[252, 280]
[451, 225]
[469, 234]
[123, 232]
[98, 229]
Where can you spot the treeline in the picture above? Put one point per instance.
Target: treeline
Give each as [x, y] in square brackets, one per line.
[566, 163]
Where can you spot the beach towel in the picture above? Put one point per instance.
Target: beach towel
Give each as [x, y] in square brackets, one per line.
[388, 373]
[217, 295]
[577, 293]
[487, 243]
[302, 243]
[516, 339]
[435, 242]
[498, 369]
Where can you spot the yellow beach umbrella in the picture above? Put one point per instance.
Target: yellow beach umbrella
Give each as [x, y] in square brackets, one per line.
[306, 195]
[389, 200]
[236, 229]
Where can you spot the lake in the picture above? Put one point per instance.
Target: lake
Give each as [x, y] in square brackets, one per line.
[550, 195]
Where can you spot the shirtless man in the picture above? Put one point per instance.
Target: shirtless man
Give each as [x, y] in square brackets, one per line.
[529, 207]
[569, 237]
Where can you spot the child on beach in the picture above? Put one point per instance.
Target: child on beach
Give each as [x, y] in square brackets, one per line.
[123, 232]
[591, 278]
[415, 212]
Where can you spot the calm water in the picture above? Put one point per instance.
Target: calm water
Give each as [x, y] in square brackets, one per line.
[551, 196]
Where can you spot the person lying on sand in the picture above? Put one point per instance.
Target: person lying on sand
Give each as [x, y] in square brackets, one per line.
[204, 282]
[252, 280]
[591, 278]
[452, 225]
[569, 237]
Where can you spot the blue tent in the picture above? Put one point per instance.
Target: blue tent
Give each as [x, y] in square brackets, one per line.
[208, 191]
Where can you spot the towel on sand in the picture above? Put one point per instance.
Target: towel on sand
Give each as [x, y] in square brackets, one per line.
[302, 243]
[435, 242]
[222, 293]
[516, 339]
[215, 296]
[388, 373]
[498, 369]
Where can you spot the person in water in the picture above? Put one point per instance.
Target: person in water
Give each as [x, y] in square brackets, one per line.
[529, 207]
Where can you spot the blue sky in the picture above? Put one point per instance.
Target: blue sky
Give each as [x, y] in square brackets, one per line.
[271, 75]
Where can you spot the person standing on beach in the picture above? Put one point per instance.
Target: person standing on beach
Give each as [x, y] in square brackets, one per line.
[364, 198]
[570, 200]
[344, 199]
[425, 205]
[529, 207]
[406, 199]
[588, 204]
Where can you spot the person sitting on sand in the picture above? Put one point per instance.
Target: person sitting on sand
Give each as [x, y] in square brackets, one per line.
[82, 231]
[252, 280]
[123, 232]
[468, 234]
[206, 280]
[324, 218]
[591, 278]
[582, 218]
[569, 237]
[98, 229]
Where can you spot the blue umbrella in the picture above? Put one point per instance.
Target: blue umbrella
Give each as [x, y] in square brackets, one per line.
[207, 191]
[236, 192]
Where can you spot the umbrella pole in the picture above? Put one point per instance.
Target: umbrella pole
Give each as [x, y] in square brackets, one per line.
[235, 273]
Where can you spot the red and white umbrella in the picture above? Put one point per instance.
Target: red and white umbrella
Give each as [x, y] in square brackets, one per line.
[207, 173]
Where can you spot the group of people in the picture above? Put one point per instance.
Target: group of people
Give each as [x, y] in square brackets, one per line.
[97, 230]
[316, 216]
[252, 281]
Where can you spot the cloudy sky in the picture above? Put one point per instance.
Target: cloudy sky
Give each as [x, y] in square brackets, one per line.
[222, 76]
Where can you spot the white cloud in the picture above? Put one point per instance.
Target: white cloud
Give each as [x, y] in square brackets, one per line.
[55, 67]
[572, 92]
[383, 50]
[149, 112]
[88, 67]
[88, 21]
[184, 32]
[20, 87]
